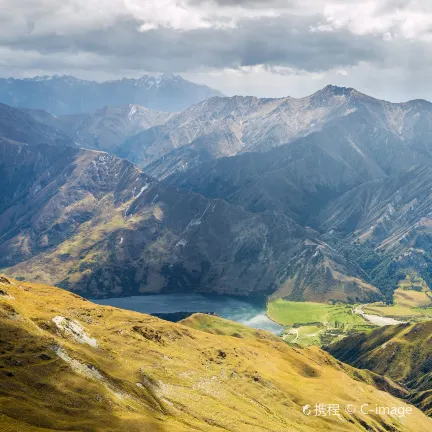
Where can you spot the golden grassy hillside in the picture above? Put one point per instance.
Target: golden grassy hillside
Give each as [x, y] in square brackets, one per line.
[67, 364]
[402, 352]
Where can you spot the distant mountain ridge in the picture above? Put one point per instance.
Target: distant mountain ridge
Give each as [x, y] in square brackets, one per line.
[344, 182]
[63, 95]
[228, 126]
[17, 125]
[106, 128]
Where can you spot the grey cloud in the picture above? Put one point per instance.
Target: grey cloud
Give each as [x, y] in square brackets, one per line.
[392, 5]
[248, 3]
[285, 41]
[115, 45]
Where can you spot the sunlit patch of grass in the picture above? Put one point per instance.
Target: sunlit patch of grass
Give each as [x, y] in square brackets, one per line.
[315, 323]
[289, 313]
[412, 301]
[398, 311]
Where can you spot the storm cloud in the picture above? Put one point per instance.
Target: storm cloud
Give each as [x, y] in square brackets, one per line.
[128, 37]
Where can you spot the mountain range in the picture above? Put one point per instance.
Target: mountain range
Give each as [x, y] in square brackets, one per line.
[17, 125]
[94, 223]
[392, 136]
[63, 95]
[320, 198]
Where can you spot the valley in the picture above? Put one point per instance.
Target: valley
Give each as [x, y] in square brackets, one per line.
[215, 257]
[215, 216]
[301, 323]
[322, 324]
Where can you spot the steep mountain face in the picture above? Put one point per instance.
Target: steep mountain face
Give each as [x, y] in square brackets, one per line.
[228, 126]
[403, 352]
[52, 191]
[389, 207]
[301, 178]
[105, 128]
[62, 95]
[359, 145]
[97, 224]
[16, 125]
[363, 181]
[62, 362]
[390, 220]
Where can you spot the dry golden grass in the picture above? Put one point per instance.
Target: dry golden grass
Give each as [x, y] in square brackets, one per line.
[413, 292]
[402, 352]
[412, 301]
[149, 375]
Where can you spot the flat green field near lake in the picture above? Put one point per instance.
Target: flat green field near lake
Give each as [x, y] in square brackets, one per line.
[289, 313]
[315, 323]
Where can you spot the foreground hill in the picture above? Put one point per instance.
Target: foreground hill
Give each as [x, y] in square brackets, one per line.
[68, 364]
[62, 95]
[403, 352]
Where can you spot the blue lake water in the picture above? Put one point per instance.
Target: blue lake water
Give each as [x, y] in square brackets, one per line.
[242, 311]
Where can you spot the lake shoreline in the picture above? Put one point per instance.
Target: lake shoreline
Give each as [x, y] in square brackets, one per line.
[249, 312]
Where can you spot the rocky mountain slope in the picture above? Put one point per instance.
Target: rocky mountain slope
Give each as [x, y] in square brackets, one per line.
[16, 125]
[303, 177]
[366, 171]
[68, 364]
[105, 128]
[397, 133]
[62, 95]
[97, 224]
[362, 166]
[372, 210]
[402, 352]
[387, 224]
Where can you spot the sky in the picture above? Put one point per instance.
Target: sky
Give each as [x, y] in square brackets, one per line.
[269, 48]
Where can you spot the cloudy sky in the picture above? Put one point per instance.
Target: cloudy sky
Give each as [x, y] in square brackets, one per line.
[257, 47]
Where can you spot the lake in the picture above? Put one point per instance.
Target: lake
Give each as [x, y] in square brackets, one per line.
[249, 313]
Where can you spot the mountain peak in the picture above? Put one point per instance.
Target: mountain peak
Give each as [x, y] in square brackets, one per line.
[337, 91]
[420, 103]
